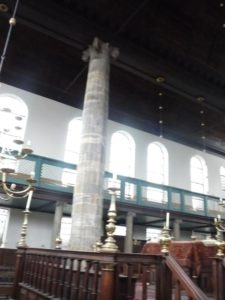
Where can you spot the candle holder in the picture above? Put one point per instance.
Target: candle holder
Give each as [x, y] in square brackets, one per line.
[110, 245]
[165, 240]
[220, 228]
[58, 243]
[23, 234]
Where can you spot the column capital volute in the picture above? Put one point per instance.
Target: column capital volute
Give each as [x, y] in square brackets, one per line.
[131, 214]
[97, 48]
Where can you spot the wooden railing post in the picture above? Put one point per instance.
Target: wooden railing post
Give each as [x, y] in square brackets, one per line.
[107, 289]
[164, 282]
[20, 257]
[218, 278]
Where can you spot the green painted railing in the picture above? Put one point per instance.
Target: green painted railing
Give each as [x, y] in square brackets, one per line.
[59, 176]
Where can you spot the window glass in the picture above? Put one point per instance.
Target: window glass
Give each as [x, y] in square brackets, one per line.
[122, 154]
[153, 234]
[199, 180]
[122, 158]
[73, 141]
[72, 150]
[157, 171]
[157, 163]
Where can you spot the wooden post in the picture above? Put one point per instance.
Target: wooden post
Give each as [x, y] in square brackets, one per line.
[107, 282]
[218, 278]
[163, 282]
[18, 272]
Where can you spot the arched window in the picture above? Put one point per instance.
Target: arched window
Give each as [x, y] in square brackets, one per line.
[199, 180]
[199, 175]
[73, 141]
[157, 163]
[157, 171]
[222, 181]
[122, 157]
[122, 154]
[13, 120]
[72, 149]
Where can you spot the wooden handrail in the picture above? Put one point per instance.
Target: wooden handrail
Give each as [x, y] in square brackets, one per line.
[191, 289]
[79, 275]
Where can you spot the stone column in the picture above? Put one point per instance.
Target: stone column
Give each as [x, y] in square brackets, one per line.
[87, 200]
[57, 222]
[176, 229]
[128, 247]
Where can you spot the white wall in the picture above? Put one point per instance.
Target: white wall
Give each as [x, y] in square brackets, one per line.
[47, 128]
[39, 229]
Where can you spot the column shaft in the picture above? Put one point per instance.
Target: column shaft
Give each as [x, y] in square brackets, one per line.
[128, 247]
[87, 201]
[57, 222]
[176, 230]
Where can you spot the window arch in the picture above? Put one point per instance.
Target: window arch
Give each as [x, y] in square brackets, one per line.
[157, 160]
[157, 171]
[122, 154]
[199, 175]
[13, 120]
[199, 180]
[72, 149]
[122, 158]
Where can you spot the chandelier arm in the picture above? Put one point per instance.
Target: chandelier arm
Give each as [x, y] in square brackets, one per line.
[22, 193]
[220, 228]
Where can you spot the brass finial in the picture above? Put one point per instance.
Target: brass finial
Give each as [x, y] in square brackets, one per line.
[110, 243]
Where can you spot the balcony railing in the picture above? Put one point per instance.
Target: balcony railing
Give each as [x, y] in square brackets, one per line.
[57, 175]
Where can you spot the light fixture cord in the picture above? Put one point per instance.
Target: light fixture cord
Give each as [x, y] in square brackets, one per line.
[8, 37]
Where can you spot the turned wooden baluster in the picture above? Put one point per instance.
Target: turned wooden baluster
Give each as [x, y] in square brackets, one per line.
[94, 291]
[76, 280]
[39, 269]
[61, 277]
[69, 279]
[50, 275]
[44, 273]
[107, 282]
[57, 276]
[36, 261]
[86, 275]
[27, 275]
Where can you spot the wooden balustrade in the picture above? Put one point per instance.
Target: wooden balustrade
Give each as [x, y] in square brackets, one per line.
[7, 271]
[57, 274]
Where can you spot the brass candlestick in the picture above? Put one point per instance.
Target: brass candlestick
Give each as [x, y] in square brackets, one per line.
[110, 245]
[23, 234]
[219, 236]
[165, 240]
[58, 243]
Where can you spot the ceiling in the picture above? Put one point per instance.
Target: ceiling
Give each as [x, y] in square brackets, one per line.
[171, 56]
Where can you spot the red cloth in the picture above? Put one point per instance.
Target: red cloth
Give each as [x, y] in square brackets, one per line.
[192, 255]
